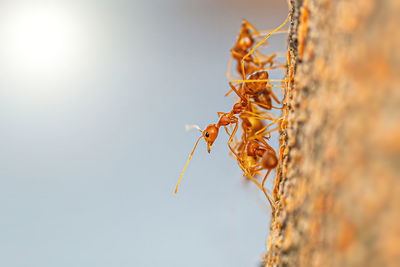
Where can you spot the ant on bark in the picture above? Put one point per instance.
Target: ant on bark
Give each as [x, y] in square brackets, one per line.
[240, 50]
[249, 62]
[252, 153]
[210, 133]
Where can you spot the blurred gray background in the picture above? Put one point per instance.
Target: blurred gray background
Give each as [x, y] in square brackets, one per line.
[94, 97]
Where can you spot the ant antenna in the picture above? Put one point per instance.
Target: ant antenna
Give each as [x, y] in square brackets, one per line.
[187, 162]
[191, 127]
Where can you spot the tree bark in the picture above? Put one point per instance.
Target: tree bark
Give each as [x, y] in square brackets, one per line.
[338, 182]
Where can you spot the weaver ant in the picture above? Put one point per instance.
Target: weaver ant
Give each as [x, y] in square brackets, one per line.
[245, 41]
[210, 133]
[244, 58]
[259, 92]
[249, 63]
[253, 153]
[266, 159]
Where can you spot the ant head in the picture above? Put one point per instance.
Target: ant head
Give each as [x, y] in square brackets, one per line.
[210, 134]
[245, 41]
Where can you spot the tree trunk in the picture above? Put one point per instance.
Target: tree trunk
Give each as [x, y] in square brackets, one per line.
[338, 183]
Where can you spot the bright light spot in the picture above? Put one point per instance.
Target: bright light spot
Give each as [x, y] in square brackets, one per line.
[39, 41]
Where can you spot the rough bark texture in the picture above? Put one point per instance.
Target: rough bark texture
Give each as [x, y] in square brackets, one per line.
[339, 182]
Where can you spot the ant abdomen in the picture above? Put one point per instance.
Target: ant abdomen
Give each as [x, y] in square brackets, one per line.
[263, 100]
[254, 88]
[269, 160]
[251, 125]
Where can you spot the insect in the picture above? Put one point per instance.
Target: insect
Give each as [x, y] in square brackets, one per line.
[244, 42]
[244, 58]
[257, 88]
[210, 133]
[252, 152]
[265, 157]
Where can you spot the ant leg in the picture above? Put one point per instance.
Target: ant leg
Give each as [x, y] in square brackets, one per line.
[269, 59]
[280, 108]
[260, 117]
[231, 137]
[273, 95]
[265, 32]
[261, 33]
[265, 178]
[228, 71]
[230, 91]
[261, 105]
[251, 26]
[237, 92]
[266, 145]
[226, 130]
[262, 189]
[260, 43]
[274, 67]
[261, 131]
[234, 53]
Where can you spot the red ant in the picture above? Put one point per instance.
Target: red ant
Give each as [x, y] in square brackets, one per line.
[210, 133]
[261, 151]
[255, 153]
[250, 53]
[245, 41]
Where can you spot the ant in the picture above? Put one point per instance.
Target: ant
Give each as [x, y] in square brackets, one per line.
[254, 152]
[245, 41]
[210, 133]
[239, 52]
[260, 92]
[266, 155]
[250, 53]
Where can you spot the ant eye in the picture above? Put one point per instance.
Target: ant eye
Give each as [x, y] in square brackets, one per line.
[207, 134]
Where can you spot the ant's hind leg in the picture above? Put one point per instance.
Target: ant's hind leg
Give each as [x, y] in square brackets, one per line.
[265, 178]
[272, 94]
[262, 189]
